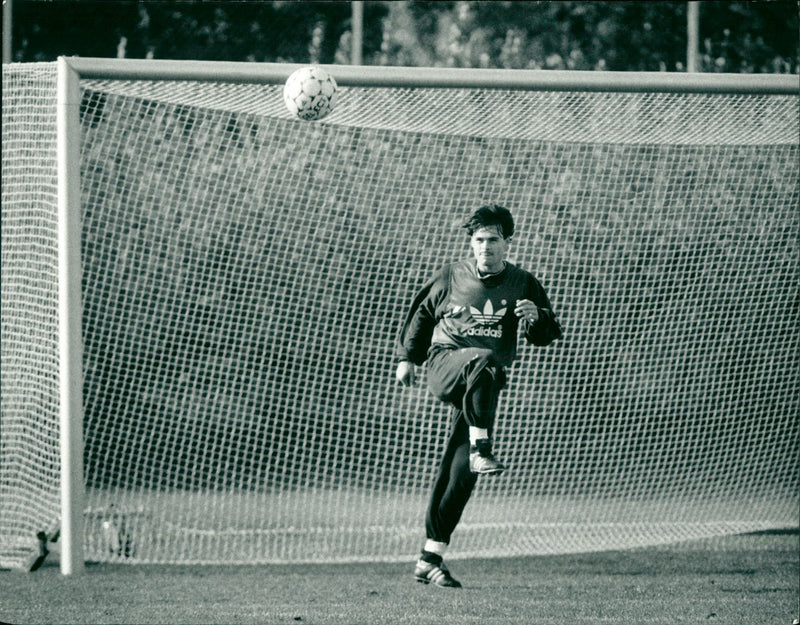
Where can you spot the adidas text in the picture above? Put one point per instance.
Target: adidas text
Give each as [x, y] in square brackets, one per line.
[495, 333]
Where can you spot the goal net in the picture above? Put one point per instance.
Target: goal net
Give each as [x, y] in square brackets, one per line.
[245, 273]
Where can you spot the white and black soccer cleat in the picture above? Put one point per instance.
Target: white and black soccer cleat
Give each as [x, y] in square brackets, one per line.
[437, 574]
[481, 459]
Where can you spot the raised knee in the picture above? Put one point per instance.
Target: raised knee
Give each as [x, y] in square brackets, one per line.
[484, 361]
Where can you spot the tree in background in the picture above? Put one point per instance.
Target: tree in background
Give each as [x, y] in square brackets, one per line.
[625, 36]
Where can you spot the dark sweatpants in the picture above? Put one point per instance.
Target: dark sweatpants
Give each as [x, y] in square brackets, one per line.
[470, 380]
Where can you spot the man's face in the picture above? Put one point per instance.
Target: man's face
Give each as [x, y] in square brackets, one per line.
[489, 248]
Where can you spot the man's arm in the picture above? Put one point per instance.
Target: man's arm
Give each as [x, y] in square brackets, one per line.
[542, 327]
[415, 334]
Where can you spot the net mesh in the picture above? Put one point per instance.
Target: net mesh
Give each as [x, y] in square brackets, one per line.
[244, 275]
[29, 446]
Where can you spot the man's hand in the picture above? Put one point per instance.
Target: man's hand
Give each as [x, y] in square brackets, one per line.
[527, 310]
[405, 373]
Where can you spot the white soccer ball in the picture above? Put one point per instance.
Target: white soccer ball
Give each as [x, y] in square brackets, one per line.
[310, 93]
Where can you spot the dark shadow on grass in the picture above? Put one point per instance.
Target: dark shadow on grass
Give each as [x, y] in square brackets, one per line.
[786, 531]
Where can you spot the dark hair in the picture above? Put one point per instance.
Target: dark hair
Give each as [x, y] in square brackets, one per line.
[491, 215]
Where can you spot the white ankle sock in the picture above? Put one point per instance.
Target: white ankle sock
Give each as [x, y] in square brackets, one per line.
[476, 434]
[435, 547]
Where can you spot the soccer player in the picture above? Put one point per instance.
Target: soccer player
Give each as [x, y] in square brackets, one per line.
[464, 323]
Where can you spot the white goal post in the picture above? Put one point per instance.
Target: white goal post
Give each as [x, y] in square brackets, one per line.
[630, 426]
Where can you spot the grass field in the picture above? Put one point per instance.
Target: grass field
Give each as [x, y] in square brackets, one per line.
[746, 579]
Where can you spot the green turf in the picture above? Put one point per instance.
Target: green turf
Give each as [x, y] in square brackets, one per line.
[750, 579]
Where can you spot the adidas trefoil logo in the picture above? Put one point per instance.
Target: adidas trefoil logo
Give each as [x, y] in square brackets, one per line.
[485, 319]
[488, 317]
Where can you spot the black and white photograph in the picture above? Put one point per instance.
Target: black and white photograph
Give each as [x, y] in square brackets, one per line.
[400, 312]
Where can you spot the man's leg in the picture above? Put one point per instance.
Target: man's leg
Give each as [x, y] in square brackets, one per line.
[451, 492]
[466, 378]
[473, 379]
[453, 486]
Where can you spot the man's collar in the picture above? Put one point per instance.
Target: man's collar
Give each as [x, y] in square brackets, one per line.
[485, 276]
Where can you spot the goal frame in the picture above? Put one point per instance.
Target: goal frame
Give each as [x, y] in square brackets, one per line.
[71, 70]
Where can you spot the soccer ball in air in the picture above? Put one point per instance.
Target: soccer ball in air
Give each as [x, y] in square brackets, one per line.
[310, 93]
